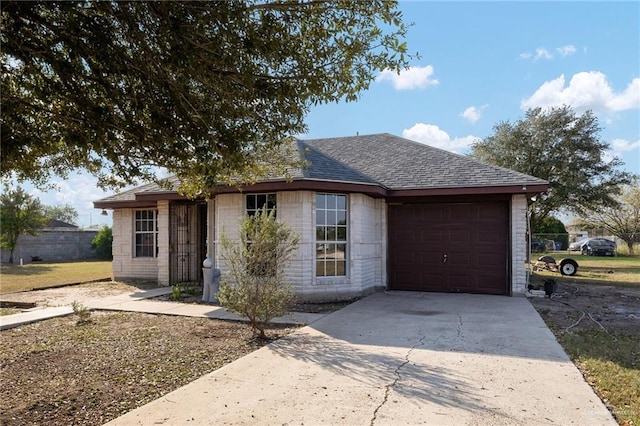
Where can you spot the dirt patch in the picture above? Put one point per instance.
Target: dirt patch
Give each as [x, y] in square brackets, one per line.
[616, 309]
[65, 296]
[59, 372]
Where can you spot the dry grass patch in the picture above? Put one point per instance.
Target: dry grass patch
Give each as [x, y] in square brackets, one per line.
[596, 319]
[14, 278]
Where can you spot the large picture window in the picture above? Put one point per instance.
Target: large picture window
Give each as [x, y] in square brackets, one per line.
[146, 234]
[256, 202]
[331, 235]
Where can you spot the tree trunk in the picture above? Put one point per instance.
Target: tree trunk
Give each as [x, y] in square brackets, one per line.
[630, 246]
[11, 256]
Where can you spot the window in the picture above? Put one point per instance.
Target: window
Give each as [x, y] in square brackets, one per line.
[146, 234]
[331, 235]
[256, 202]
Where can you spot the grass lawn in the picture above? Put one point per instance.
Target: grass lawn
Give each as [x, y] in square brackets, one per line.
[609, 360]
[621, 270]
[42, 275]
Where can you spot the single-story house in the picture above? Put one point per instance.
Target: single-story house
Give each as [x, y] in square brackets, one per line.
[372, 212]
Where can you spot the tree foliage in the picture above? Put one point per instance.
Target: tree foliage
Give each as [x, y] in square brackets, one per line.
[65, 213]
[20, 213]
[622, 221]
[563, 148]
[103, 243]
[203, 89]
[256, 264]
[552, 228]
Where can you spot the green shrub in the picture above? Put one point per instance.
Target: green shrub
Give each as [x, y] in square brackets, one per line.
[81, 311]
[103, 243]
[255, 264]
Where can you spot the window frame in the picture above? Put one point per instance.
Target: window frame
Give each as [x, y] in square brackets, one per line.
[250, 211]
[331, 231]
[142, 248]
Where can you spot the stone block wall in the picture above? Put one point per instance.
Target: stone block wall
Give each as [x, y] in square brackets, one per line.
[54, 245]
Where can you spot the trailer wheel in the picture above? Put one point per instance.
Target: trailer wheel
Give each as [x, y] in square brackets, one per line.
[568, 267]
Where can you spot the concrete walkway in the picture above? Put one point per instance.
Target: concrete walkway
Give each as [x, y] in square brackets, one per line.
[137, 302]
[396, 358]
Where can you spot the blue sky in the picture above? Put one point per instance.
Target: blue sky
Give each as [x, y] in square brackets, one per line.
[486, 62]
[481, 63]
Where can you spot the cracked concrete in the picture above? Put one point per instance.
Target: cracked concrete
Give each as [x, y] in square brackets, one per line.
[398, 377]
[396, 358]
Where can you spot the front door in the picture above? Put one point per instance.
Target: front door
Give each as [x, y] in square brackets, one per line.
[187, 241]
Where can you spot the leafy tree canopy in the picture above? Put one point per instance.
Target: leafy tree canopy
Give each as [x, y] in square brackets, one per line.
[20, 213]
[563, 148]
[103, 243]
[551, 225]
[203, 89]
[65, 213]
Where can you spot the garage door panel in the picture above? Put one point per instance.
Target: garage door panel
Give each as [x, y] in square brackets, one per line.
[459, 236]
[474, 236]
[433, 259]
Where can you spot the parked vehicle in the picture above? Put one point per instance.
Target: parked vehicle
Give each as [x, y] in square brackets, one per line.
[580, 245]
[537, 246]
[577, 245]
[599, 247]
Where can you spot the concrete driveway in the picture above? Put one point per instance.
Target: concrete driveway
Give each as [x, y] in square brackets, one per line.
[397, 358]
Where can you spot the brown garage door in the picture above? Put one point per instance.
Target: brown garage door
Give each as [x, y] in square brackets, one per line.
[456, 247]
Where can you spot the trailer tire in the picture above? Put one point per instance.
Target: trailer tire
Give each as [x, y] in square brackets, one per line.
[568, 267]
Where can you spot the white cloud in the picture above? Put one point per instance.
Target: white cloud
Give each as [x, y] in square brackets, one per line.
[412, 78]
[629, 99]
[79, 191]
[567, 50]
[623, 145]
[586, 90]
[542, 53]
[430, 134]
[472, 113]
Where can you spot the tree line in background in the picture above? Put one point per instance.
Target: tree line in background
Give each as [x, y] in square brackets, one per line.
[23, 214]
[566, 150]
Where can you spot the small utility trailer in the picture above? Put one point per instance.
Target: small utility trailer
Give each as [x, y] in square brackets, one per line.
[565, 266]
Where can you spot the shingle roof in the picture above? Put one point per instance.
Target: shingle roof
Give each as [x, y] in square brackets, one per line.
[383, 160]
[398, 163]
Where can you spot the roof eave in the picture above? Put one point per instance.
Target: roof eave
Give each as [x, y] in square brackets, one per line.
[469, 190]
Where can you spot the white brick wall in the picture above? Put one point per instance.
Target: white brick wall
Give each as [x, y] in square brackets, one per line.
[518, 243]
[163, 273]
[367, 248]
[229, 212]
[367, 240]
[125, 266]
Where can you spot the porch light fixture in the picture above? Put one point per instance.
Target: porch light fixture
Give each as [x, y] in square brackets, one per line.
[104, 213]
[524, 187]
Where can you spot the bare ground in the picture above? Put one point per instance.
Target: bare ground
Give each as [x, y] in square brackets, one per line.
[62, 372]
[615, 309]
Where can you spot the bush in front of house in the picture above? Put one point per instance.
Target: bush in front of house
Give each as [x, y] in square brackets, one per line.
[103, 242]
[257, 289]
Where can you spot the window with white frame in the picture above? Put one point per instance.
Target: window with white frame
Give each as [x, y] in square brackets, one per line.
[146, 233]
[257, 202]
[331, 235]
